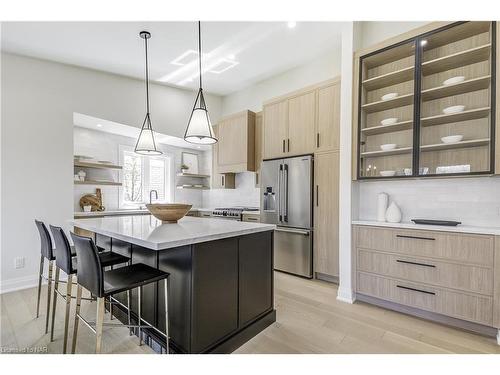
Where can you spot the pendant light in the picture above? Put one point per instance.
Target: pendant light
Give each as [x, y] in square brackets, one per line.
[146, 142]
[199, 129]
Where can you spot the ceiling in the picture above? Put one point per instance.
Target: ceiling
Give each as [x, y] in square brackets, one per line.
[257, 50]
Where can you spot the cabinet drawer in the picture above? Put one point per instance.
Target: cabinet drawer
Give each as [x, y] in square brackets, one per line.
[471, 307]
[251, 217]
[470, 248]
[458, 276]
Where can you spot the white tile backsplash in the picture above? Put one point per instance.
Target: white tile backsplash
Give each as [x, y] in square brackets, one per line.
[473, 201]
[245, 194]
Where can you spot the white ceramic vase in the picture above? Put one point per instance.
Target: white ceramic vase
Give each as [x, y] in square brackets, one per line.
[393, 213]
[382, 200]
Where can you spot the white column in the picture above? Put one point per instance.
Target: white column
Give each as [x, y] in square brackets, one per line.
[350, 35]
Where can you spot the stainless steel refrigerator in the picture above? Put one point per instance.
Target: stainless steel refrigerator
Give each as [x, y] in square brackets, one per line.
[286, 200]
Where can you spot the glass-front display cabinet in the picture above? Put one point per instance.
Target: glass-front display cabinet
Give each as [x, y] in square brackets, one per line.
[427, 105]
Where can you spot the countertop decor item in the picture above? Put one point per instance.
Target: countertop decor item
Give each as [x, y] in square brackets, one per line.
[454, 80]
[146, 142]
[388, 146]
[449, 223]
[82, 175]
[387, 173]
[389, 96]
[382, 200]
[389, 121]
[453, 109]
[393, 213]
[93, 200]
[168, 212]
[199, 129]
[452, 138]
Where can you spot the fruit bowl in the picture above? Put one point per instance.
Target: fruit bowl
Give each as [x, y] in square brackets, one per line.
[168, 212]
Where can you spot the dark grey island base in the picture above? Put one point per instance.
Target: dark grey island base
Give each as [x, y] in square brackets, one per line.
[221, 292]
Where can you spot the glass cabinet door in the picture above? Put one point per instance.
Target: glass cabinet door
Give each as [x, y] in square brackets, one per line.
[455, 122]
[386, 110]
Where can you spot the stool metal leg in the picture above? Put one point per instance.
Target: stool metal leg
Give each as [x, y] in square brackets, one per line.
[54, 304]
[66, 315]
[139, 308]
[40, 276]
[98, 324]
[77, 320]
[49, 290]
[166, 314]
[128, 313]
[110, 303]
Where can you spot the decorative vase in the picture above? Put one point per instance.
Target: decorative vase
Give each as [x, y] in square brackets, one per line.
[393, 213]
[382, 201]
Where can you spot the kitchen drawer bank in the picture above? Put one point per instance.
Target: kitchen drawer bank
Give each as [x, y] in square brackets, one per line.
[451, 277]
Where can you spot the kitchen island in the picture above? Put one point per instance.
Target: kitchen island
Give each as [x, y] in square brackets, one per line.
[221, 277]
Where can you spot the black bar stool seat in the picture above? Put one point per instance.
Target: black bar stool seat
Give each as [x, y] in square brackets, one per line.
[130, 277]
[108, 258]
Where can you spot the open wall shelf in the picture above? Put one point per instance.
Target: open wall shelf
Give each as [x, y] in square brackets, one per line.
[416, 70]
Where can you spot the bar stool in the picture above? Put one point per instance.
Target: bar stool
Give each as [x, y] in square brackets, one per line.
[102, 284]
[45, 253]
[66, 261]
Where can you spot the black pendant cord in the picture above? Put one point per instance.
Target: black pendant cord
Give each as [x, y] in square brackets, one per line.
[199, 48]
[147, 76]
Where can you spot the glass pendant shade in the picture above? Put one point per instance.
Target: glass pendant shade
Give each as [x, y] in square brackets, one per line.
[146, 142]
[199, 129]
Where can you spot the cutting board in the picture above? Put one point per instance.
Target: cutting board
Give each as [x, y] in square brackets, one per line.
[93, 200]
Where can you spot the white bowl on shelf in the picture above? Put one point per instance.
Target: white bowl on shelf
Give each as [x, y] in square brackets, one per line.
[452, 138]
[387, 173]
[453, 109]
[388, 146]
[389, 121]
[390, 96]
[454, 80]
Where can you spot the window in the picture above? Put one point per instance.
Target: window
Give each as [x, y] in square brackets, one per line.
[141, 174]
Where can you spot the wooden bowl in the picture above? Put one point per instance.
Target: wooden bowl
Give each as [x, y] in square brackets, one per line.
[168, 212]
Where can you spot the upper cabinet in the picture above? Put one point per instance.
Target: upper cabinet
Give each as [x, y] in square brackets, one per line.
[425, 106]
[220, 180]
[302, 122]
[236, 146]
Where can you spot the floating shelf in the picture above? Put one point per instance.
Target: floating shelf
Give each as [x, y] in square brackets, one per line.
[180, 174]
[380, 129]
[471, 114]
[382, 105]
[373, 154]
[389, 79]
[90, 182]
[84, 164]
[470, 85]
[192, 187]
[462, 144]
[455, 60]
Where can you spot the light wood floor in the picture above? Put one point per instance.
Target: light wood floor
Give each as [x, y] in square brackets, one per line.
[309, 320]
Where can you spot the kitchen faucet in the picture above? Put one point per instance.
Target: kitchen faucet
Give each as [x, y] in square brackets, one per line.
[150, 196]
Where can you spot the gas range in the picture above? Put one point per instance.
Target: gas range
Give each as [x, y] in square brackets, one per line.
[234, 213]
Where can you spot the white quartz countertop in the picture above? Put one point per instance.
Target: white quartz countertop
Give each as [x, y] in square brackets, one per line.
[146, 231]
[410, 225]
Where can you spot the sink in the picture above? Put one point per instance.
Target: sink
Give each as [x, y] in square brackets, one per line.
[168, 212]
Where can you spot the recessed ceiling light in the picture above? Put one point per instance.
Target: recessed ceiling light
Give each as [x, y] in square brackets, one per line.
[99, 125]
[292, 24]
[423, 42]
[223, 65]
[185, 58]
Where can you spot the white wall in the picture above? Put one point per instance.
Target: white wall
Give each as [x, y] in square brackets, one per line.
[373, 32]
[105, 146]
[320, 69]
[38, 101]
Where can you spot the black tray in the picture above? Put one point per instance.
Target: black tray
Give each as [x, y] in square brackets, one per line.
[449, 223]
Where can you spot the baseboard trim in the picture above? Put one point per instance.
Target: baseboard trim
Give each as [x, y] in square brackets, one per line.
[327, 278]
[19, 283]
[345, 295]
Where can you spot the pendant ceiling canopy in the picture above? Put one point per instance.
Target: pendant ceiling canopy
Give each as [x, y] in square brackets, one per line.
[146, 144]
[199, 129]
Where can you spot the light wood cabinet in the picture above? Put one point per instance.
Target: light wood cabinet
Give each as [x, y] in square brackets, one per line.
[219, 180]
[328, 117]
[326, 221]
[275, 121]
[258, 146]
[236, 146]
[301, 124]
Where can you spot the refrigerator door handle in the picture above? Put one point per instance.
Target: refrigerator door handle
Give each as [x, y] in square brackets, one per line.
[294, 231]
[285, 178]
[280, 182]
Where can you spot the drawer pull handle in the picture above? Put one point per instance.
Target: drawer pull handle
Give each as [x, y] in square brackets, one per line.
[415, 237]
[416, 264]
[416, 290]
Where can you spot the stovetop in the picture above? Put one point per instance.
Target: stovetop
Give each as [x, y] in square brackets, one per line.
[232, 212]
